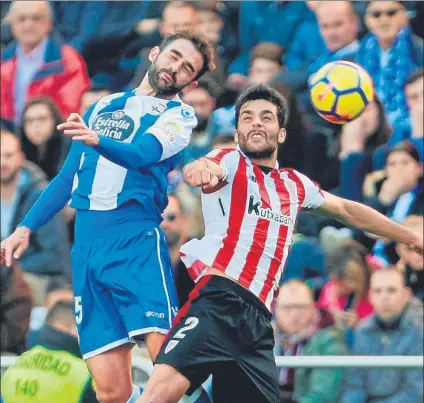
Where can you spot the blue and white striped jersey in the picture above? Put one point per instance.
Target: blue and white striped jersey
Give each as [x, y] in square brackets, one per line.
[99, 183]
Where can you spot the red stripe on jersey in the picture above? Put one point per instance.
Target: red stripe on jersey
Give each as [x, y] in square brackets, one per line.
[185, 308]
[235, 219]
[218, 157]
[301, 193]
[284, 196]
[260, 235]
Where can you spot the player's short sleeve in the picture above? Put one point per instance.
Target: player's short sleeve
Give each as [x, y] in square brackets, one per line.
[173, 129]
[228, 159]
[313, 197]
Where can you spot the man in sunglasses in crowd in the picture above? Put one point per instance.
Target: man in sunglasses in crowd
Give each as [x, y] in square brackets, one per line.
[390, 53]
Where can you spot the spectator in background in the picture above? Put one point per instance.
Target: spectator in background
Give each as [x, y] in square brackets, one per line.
[42, 143]
[174, 225]
[21, 184]
[359, 140]
[265, 61]
[388, 332]
[54, 365]
[390, 53]
[211, 22]
[302, 329]
[91, 96]
[224, 141]
[37, 64]
[338, 26]
[16, 304]
[414, 90]
[203, 100]
[77, 22]
[397, 191]
[346, 295]
[39, 313]
[266, 21]
[411, 263]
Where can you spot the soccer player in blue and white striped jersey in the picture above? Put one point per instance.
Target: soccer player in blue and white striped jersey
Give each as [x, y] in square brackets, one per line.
[115, 177]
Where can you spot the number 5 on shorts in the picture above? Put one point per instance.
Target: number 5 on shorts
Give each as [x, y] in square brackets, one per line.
[190, 323]
[78, 310]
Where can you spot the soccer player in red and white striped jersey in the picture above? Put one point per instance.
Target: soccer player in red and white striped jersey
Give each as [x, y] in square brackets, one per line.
[250, 206]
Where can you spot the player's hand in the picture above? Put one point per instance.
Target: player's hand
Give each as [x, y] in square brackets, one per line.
[76, 128]
[14, 245]
[202, 177]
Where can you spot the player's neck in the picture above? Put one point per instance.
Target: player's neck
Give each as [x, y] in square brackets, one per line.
[265, 162]
[146, 89]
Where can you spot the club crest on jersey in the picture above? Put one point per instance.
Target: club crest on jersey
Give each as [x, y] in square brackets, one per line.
[116, 125]
[255, 208]
[187, 113]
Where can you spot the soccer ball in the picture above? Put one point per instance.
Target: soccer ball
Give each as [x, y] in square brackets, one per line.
[340, 91]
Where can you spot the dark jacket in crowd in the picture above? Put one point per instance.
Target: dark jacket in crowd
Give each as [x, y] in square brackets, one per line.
[268, 21]
[49, 248]
[15, 312]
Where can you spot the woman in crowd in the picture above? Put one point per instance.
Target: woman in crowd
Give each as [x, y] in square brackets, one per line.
[42, 143]
[346, 294]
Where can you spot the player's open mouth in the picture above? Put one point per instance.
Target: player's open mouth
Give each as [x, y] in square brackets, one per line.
[257, 135]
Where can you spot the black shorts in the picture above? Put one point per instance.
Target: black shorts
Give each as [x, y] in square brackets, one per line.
[226, 331]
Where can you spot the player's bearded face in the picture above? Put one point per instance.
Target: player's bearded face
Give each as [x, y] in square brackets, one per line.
[162, 80]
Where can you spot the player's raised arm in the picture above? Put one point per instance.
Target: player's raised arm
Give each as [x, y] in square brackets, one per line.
[367, 219]
[209, 170]
[167, 137]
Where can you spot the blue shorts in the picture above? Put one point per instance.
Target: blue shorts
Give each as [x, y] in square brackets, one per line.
[123, 283]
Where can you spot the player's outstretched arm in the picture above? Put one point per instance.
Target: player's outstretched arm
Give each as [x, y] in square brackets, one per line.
[367, 219]
[51, 201]
[202, 172]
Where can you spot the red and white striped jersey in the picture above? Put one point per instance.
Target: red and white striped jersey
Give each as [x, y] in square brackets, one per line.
[249, 222]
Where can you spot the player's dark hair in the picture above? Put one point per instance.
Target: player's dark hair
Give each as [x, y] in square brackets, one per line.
[61, 311]
[266, 93]
[201, 44]
[415, 76]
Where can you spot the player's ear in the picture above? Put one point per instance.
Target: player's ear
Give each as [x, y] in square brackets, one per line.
[236, 139]
[190, 87]
[154, 53]
[282, 136]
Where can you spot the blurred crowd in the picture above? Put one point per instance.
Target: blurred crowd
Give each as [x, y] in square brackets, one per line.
[343, 292]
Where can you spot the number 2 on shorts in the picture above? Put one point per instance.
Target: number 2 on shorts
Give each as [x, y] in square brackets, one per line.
[78, 310]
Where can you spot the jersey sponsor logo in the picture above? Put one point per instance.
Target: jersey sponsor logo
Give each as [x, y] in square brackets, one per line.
[170, 130]
[155, 314]
[116, 125]
[255, 208]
